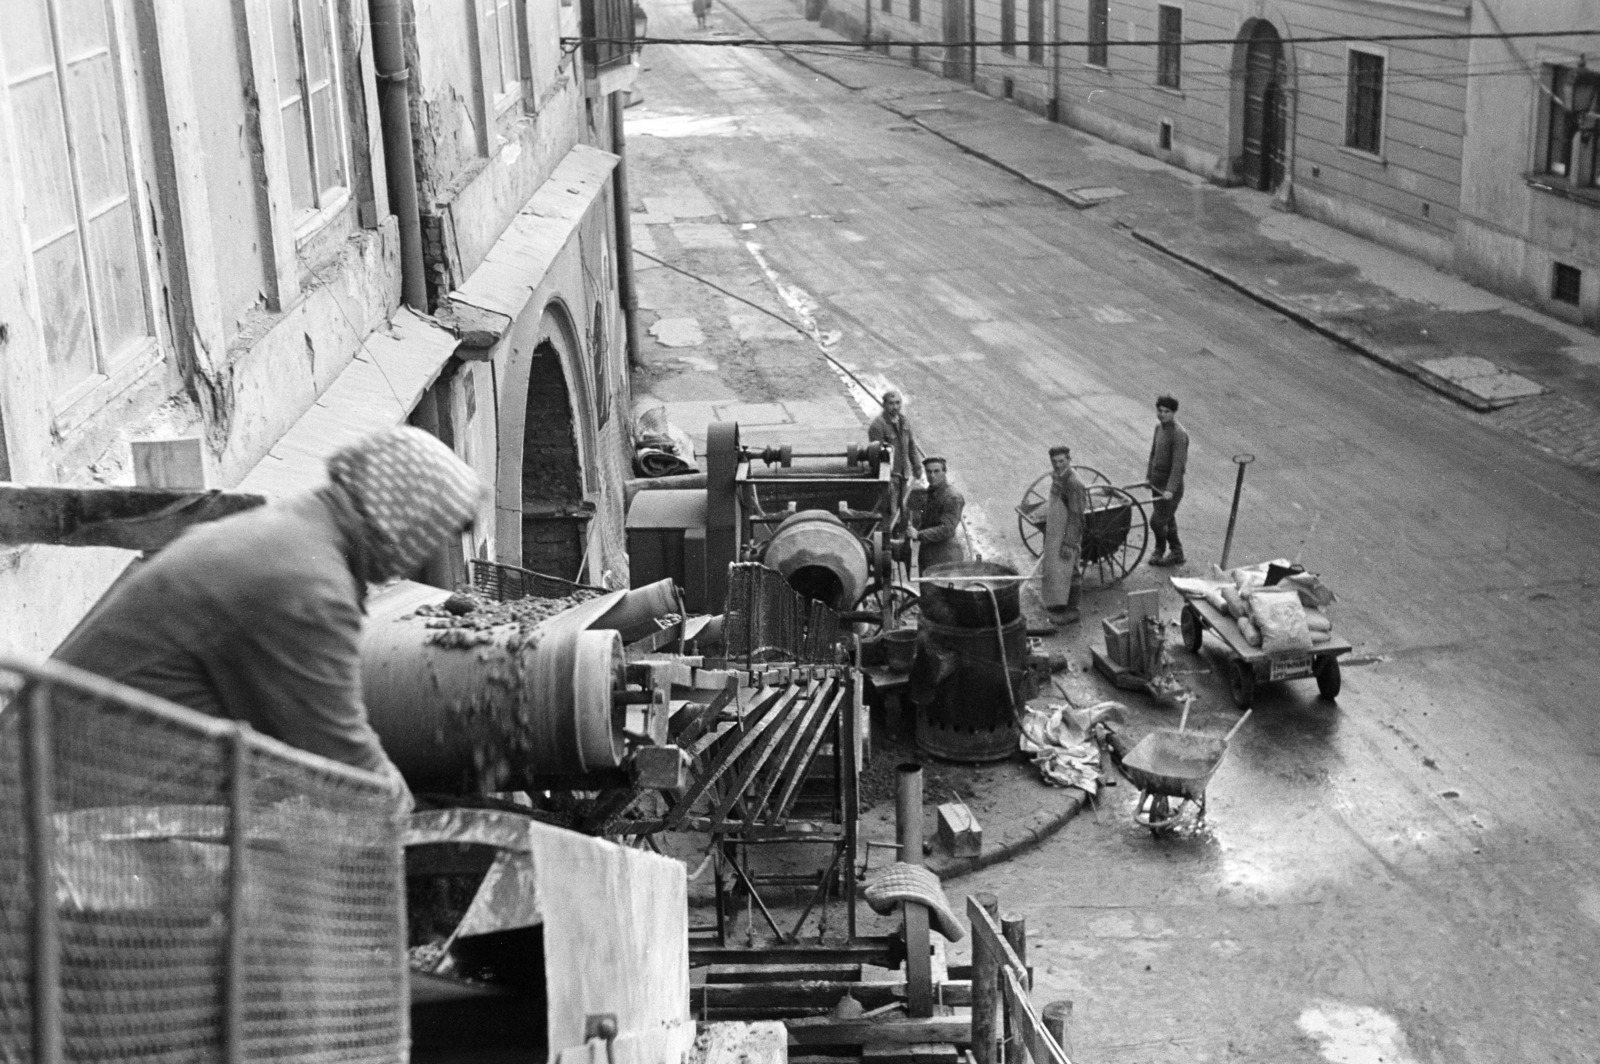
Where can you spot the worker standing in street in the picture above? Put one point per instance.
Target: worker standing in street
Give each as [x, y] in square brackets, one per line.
[939, 521]
[257, 617]
[1063, 537]
[1169, 454]
[893, 428]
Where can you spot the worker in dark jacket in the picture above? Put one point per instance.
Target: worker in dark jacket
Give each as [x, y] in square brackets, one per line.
[1063, 537]
[940, 519]
[892, 427]
[257, 617]
[1169, 454]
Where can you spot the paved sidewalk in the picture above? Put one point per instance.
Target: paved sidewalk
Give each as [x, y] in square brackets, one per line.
[1524, 371]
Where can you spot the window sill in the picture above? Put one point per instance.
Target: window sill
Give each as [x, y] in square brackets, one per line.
[1366, 156]
[312, 221]
[71, 411]
[1555, 185]
[1167, 90]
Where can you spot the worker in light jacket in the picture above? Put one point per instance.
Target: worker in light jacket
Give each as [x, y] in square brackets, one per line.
[938, 525]
[1063, 537]
[1169, 454]
[893, 428]
[257, 617]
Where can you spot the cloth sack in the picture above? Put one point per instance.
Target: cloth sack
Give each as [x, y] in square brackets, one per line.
[1281, 618]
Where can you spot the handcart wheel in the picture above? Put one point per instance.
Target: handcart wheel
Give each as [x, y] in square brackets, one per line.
[1241, 683]
[1116, 533]
[1037, 497]
[902, 600]
[1189, 623]
[1328, 678]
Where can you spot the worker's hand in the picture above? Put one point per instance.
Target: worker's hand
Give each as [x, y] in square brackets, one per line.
[911, 534]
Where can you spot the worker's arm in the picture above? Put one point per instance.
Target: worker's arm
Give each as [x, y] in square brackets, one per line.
[1180, 459]
[949, 519]
[301, 664]
[876, 432]
[917, 453]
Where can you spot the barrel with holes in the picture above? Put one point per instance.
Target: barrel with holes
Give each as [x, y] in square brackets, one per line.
[970, 686]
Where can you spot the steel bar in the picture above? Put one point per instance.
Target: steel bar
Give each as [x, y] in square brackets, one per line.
[756, 897]
[763, 716]
[757, 755]
[820, 892]
[875, 951]
[1241, 460]
[238, 885]
[816, 703]
[39, 772]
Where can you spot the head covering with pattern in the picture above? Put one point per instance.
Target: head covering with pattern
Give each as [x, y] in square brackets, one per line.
[411, 492]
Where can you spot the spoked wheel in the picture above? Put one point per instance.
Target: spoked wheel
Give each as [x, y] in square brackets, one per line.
[1116, 534]
[1037, 498]
[902, 602]
[1163, 813]
[1189, 624]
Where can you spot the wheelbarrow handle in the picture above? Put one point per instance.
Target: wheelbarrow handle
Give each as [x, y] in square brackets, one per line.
[1237, 725]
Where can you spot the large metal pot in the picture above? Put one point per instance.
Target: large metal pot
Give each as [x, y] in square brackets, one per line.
[970, 603]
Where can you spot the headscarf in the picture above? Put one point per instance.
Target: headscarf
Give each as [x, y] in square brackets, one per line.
[411, 494]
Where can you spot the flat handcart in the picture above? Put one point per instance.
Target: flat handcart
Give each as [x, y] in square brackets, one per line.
[1248, 665]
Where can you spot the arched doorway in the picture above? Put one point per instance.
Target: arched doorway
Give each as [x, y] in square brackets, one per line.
[556, 479]
[1265, 87]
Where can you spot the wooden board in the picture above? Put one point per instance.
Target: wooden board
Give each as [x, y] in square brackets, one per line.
[880, 1030]
[130, 518]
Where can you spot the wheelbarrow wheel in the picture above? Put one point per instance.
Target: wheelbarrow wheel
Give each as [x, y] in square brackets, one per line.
[1328, 679]
[1161, 813]
[1241, 683]
[1189, 624]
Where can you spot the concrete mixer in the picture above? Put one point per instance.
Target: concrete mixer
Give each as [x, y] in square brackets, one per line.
[815, 516]
[465, 707]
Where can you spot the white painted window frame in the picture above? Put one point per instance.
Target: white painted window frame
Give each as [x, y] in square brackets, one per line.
[333, 199]
[500, 98]
[113, 371]
[1381, 52]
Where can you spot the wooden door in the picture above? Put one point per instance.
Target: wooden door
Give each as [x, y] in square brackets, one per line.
[1264, 109]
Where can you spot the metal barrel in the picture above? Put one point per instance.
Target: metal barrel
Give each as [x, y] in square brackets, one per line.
[968, 685]
[969, 603]
[820, 557]
[473, 710]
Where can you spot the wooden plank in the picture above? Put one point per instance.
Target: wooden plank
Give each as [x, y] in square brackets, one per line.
[129, 518]
[1042, 1049]
[696, 724]
[830, 1031]
[865, 950]
[758, 754]
[792, 789]
[816, 703]
[804, 993]
[760, 720]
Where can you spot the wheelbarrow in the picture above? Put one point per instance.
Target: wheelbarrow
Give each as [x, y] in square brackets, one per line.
[1171, 768]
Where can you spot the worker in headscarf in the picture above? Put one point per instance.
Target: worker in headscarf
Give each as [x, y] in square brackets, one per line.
[893, 428]
[1063, 537]
[257, 617]
[940, 520]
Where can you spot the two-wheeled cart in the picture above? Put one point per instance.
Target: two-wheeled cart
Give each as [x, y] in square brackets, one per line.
[1116, 530]
[1248, 665]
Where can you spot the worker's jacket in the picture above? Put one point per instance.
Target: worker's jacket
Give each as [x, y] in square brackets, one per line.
[257, 618]
[907, 453]
[937, 528]
[1169, 455]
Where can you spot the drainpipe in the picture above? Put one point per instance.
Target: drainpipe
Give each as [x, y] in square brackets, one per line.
[626, 291]
[389, 55]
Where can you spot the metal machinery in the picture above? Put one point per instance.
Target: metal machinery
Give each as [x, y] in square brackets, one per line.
[816, 516]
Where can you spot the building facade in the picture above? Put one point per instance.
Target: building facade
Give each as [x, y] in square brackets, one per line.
[211, 212]
[1530, 189]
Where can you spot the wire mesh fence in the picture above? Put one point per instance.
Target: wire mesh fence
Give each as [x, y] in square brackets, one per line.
[766, 620]
[179, 888]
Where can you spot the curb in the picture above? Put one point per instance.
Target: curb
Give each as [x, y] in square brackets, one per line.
[951, 867]
[1300, 317]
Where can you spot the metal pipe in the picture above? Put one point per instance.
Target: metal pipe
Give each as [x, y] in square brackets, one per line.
[908, 829]
[1241, 460]
[38, 770]
[627, 293]
[400, 166]
[238, 848]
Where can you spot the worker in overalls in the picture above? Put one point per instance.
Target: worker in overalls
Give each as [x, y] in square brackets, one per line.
[257, 617]
[938, 525]
[1063, 537]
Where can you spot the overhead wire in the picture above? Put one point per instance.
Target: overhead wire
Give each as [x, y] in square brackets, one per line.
[1015, 42]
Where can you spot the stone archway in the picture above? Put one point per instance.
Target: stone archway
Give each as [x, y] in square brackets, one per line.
[1261, 93]
[547, 446]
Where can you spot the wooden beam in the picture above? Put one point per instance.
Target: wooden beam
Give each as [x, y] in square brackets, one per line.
[784, 973]
[900, 1030]
[129, 518]
[866, 950]
[1042, 1049]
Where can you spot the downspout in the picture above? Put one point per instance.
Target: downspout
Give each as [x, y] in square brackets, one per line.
[389, 55]
[1055, 65]
[626, 292]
